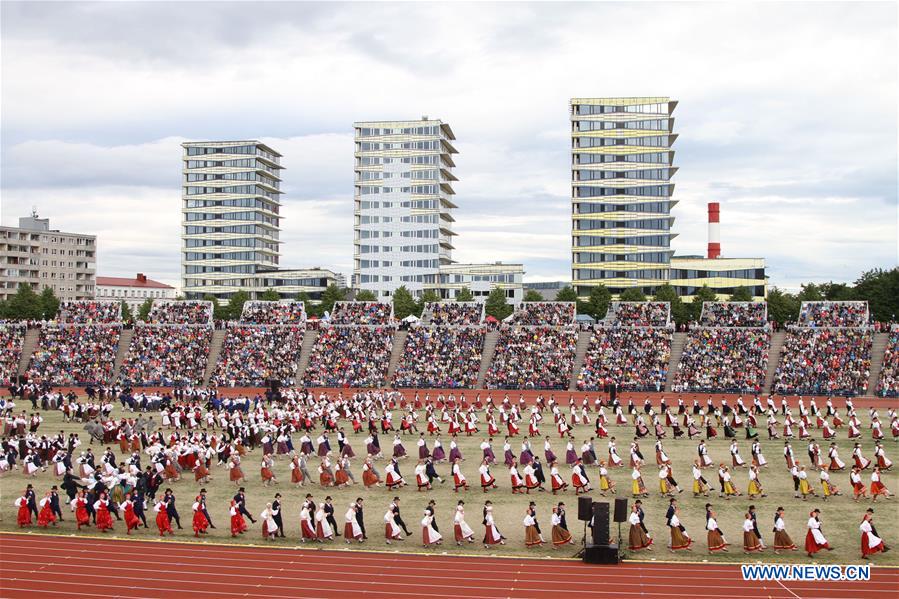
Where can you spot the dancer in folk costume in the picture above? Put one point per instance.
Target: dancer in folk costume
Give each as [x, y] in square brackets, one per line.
[487, 480]
[235, 473]
[462, 531]
[751, 541]
[104, 518]
[296, 473]
[579, 479]
[638, 488]
[238, 524]
[605, 481]
[269, 527]
[782, 540]
[392, 530]
[532, 537]
[429, 534]
[637, 537]
[132, 522]
[715, 538]
[827, 487]
[200, 522]
[351, 528]
[755, 484]
[814, 539]
[877, 486]
[323, 529]
[307, 521]
[162, 518]
[680, 540]
[700, 484]
[82, 516]
[880, 456]
[871, 543]
[46, 517]
[459, 480]
[558, 483]
[492, 536]
[266, 470]
[560, 533]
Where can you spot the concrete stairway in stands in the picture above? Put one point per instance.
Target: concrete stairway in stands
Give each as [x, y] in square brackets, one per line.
[490, 340]
[677, 349]
[215, 350]
[309, 339]
[583, 342]
[399, 342]
[878, 348]
[32, 336]
[777, 344]
[121, 352]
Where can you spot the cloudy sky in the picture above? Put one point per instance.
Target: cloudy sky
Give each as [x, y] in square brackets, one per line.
[787, 116]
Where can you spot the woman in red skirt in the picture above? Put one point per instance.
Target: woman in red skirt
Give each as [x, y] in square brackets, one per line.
[23, 518]
[46, 516]
[871, 543]
[104, 518]
[82, 517]
[296, 473]
[162, 519]
[238, 524]
[201, 523]
[814, 539]
[492, 535]
[131, 519]
[268, 477]
[236, 474]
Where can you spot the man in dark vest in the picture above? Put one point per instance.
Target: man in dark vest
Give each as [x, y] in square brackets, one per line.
[276, 514]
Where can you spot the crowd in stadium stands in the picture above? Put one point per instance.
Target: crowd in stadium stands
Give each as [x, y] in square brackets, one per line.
[888, 386]
[723, 359]
[166, 355]
[350, 356]
[824, 362]
[455, 313]
[75, 354]
[373, 313]
[441, 357]
[12, 337]
[544, 314]
[640, 314]
[273, 313]
[833, 314]
[729, 314]
[253, 354]
[90, 312]
[180, 313]
[634, 357]
[533, 358]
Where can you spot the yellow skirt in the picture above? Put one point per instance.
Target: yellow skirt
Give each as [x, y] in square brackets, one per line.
[604, 483]
[663, 486]
[636, 488]
[697, 487]
[754, 488]
[804, 487]
[729, 489]
[826, 486]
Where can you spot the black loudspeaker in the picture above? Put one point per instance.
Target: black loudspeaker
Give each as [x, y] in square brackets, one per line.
[620, 509]
[600, 523]
[274, 385]
[601, 554]
[613, 392]
[584, 509]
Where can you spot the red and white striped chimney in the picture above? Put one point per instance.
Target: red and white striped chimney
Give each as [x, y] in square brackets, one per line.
[714, 230]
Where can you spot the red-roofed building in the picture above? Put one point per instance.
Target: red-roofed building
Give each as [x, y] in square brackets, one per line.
[134, 291]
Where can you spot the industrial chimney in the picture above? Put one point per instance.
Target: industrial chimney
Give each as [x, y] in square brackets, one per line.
[714, 250]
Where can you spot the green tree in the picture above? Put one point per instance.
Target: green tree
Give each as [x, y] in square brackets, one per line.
[741, 294]
[464, 295]
[703, 294]
[496, 305]
[25, 304]
[235, 304]
[530, 295]
[365, 295]
[634, 294]
[127, 316]
[881, 289]
[307, 302]
[403, 303]
[783, 307]
[810, 293]
[331, 294]
[428, 297]
[219, 312]
[49, 303]
[597, 304]
[566, 294]
[679, 311]
[270, 295]
[144, 311]
[837, 292]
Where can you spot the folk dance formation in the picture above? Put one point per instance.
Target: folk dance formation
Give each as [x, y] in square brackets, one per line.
[199, 431]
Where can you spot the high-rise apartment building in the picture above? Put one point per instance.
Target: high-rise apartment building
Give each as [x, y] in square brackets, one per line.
[38, 256]
[232, 222]
[403, 199]
[621, 192]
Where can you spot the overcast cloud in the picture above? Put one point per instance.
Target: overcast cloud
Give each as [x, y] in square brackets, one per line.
[786, 115]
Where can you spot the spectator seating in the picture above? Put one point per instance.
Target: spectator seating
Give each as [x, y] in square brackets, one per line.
[168, 355]
[538, 314]
[90, 312]
[453, 313]
[833, 314]
[75, 354]
[350, 356]
[824, 361]
[639, 314]
[441, 356]
[634, 357]
[12, 338]
[362, 313]
[734, 314]
[165, 312]
[724, 359]
[280, 312]
[888, 386]
[540, 357]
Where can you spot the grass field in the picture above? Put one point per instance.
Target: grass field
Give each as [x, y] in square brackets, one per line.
[840, 515]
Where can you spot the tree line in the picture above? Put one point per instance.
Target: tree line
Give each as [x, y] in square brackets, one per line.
[879, 287]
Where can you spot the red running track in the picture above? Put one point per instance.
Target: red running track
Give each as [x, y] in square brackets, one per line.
[48, 565]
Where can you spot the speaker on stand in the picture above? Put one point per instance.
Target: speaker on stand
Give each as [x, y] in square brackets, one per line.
[620, 514]
[584, 514]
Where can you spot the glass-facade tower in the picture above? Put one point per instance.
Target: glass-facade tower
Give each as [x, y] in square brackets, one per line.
[231, 217]
[402, 230]
[621, 192]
